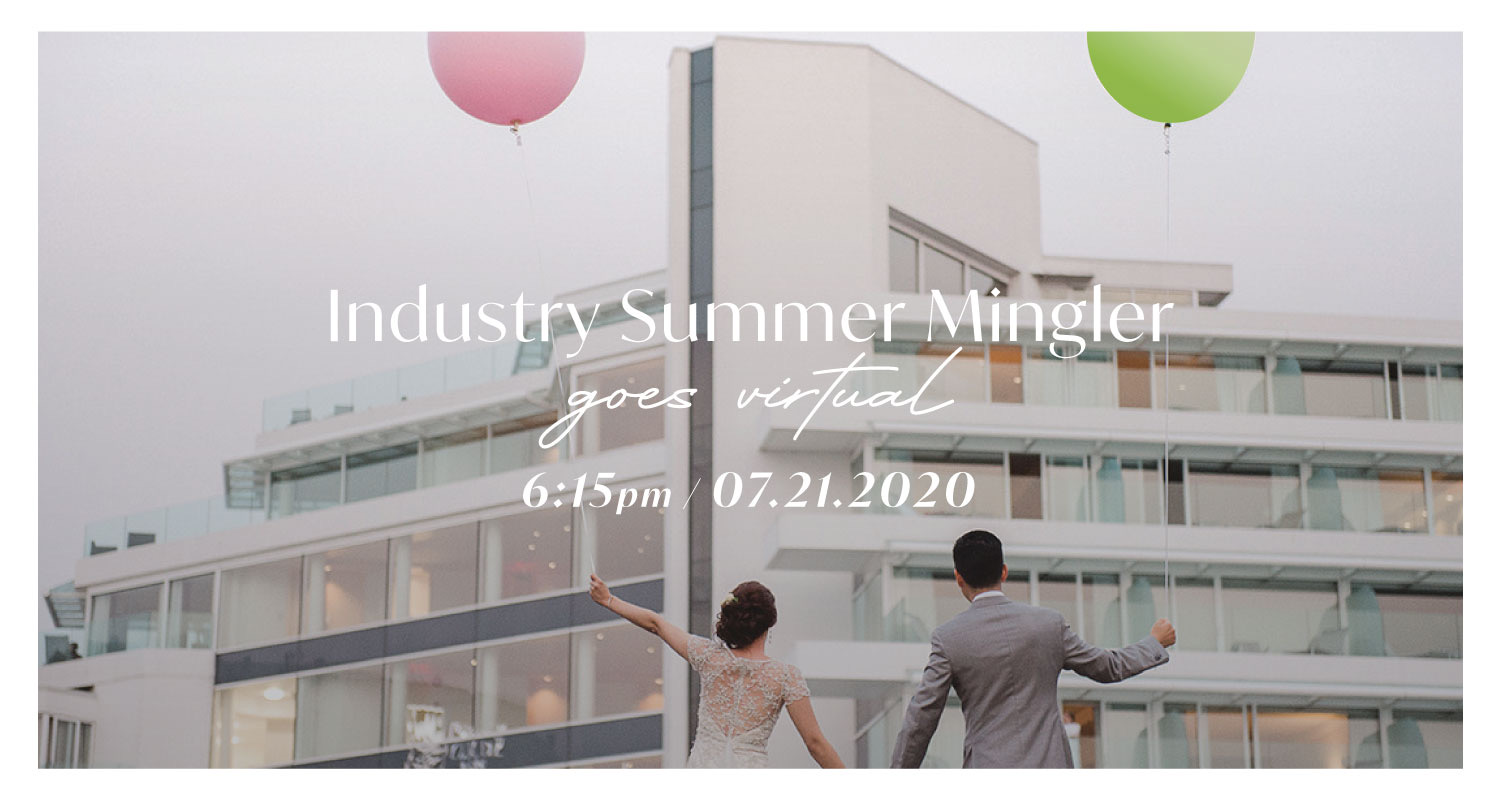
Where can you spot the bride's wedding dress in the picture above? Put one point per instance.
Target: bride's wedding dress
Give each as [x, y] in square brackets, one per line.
[740, 702]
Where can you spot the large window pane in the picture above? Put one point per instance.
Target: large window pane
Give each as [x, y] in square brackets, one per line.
[962, 380]
[1289, 617]
[1363, 499]
[941, 271]
[1025, 486]
[344, 587]
[1312, 739]
[339, 712]
[1432, 392]
[1067, 489]
[127, 620]
[523, 683]
[253, 724]
[305, 488]
[1081, 724]
[1192, 382]
[190, 617]
[605, 428]
[455, 457]
[1245, 495]
[1126, 744]
[1194, 616]
[259, 603]
[1177, 736]
[903, 262]
[434, 571]
[526, 554]
[986, 284]
[515, 444]
[430, 699]
[381, 472]
[1101, 603]
[1448, 503]
[1134, 378]
[627, 544]
[1127, 490]
[987, 472]
[926, 597]
[1228, 739]
[1391, 620]
[1321, 387]
[617, 671]
[1427, 739]
[1006, 381]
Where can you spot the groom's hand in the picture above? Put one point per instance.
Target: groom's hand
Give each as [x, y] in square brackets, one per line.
[1164, 633]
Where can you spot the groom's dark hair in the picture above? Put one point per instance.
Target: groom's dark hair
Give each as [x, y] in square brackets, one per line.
[979, 559]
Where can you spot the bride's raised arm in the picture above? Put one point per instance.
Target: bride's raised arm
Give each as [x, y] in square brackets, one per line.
[675, 637]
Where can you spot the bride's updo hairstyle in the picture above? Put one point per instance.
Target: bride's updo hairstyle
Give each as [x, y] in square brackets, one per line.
[745, 614]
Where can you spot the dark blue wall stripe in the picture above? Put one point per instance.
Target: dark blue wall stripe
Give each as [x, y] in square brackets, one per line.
[531, 749]
[431, 633]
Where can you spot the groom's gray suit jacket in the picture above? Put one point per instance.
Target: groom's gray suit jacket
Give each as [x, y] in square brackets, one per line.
[1003, 658]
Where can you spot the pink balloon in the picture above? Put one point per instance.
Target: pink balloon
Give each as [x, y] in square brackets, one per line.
[506, 78]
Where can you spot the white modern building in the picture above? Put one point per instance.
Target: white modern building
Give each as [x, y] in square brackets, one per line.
[374, 590]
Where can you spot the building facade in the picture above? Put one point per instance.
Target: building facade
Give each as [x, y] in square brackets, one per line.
[396, 573]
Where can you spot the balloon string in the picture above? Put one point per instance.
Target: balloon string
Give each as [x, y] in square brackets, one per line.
[562, 392]
[1166, 133]
[1166, 472]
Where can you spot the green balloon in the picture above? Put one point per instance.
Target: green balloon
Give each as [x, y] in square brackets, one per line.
[1170, 77]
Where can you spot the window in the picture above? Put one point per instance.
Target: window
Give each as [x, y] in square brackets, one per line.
[381, 472]
[306, 488]
[617, 670]
[1234, 384]
[253, 724]
[1329, 388]
[344, 587]
[1025, 486]
[1127, 490]
[606, 428]
[514, 444]
[903, 257]
[943, 265]
[1448, 503]
[1101, 607]
[627, 544]
[1007, 383]
[1084, 379]
[526, 554]
[1133, 378]
[125, 620]
[1281, 617]
[338, 712]
[987, 470]
[1432, 392]
[455, 457]
[190, 617]
[63, 743]
[1426, 739]
[259, 603]
[962, 380]
[1081, 724]
[1195, 618]
[1316, 739]
[1245, 495]
[430, 699]
[1059, 592]
[1363, 499]
[1126, 741]
[523, 683]
[1397, 621]
[1067, 489]
[434, 571]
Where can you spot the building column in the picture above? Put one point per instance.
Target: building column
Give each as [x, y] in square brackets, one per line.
[492, 568]
[401, 578]
[313, 593]
[487, 714]
[395, 722]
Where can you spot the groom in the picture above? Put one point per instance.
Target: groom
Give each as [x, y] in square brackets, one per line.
[1003, 658]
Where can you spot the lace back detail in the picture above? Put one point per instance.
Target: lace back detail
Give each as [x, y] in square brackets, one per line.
[739, 705]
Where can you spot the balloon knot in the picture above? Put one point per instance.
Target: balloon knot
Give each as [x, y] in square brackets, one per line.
[515, 128]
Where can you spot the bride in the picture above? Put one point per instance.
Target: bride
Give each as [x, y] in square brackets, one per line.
[743, 690]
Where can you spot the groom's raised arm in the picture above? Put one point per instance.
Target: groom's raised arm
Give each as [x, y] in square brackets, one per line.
[1112, 666]
[925, 709]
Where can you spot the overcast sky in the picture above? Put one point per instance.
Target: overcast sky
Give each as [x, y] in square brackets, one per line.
[200, 194]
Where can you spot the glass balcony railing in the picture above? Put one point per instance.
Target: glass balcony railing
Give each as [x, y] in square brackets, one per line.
[460, 371]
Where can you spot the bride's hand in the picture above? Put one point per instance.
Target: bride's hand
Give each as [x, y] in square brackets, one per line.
[599, 591]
